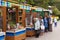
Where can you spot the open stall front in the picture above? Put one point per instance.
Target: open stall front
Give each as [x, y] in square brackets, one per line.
[30, 15]
[15, 26]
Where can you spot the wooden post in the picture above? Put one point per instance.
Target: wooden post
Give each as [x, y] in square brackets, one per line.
[4, 18]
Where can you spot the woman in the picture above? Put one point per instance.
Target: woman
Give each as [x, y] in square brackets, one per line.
[46, 24]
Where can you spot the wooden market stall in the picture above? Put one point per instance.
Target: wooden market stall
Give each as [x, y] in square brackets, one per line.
[30, 15]
[15, 22]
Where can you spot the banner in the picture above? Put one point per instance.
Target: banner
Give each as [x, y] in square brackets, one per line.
[8, 4]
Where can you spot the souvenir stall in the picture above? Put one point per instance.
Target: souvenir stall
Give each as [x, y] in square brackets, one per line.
[29, 24]
[2, 20]
[15, 27]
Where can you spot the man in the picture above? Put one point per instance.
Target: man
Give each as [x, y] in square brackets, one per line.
[50, 23]
[37, 27]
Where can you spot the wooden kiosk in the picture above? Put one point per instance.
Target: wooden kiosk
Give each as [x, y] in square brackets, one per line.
[30, 28]
[15, 22]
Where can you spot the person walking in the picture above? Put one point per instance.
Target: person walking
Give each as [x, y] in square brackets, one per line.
[37, 27]
[55, 21]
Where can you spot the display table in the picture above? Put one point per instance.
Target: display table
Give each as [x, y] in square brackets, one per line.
[2, 35]
[30, 31]
[17, 35]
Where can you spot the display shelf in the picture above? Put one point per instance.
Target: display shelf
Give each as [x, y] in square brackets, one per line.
[15, 27]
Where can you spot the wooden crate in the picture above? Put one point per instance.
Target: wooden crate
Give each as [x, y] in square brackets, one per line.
[30, 33]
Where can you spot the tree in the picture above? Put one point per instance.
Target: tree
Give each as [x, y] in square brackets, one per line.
[56, 11]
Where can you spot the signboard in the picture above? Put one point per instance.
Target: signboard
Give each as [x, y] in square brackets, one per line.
[8, 4]
[39, 9]
[28, 8]
[3, 3]
[24, 7]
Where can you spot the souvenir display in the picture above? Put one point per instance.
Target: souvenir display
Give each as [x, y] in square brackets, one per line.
[15, 24]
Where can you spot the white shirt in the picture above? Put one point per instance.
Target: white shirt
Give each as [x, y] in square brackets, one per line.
[55, 20]
[37, 25]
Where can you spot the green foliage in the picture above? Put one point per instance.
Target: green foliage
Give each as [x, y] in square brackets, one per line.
[56, 11]
[30, 1]
[21, 1]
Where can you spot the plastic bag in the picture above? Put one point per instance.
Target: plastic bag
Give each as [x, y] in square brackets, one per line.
[42, 27]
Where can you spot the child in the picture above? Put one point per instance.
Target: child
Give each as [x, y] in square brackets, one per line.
[55, 22]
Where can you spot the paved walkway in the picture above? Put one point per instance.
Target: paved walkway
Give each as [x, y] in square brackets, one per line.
[55, 35]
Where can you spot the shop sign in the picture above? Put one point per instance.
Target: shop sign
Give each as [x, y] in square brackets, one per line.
[28, 8]
[8, 4]
[39, 9]
[24, 7]
[3, 3]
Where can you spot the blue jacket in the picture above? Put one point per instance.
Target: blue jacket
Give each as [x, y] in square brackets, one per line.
[45, 22]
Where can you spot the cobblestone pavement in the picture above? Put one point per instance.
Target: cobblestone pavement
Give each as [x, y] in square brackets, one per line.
[55, 35]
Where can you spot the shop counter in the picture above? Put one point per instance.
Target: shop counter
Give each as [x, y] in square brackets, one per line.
[2, 35]
[16, 35]
[30, 31]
